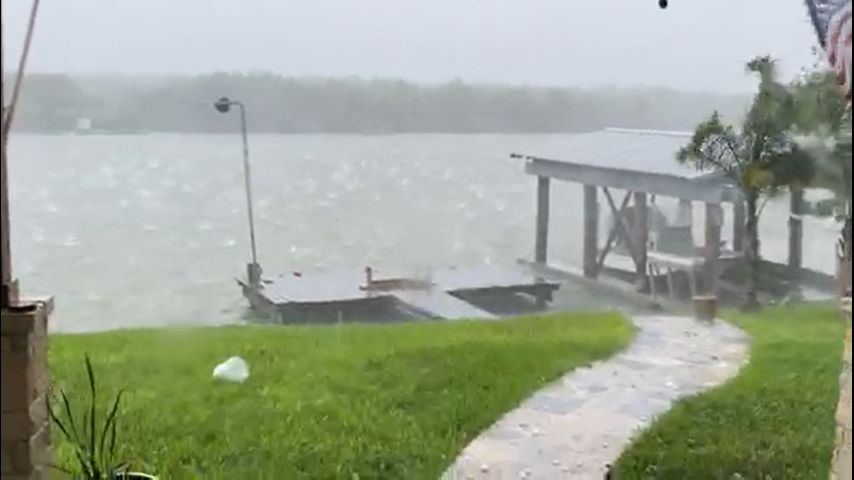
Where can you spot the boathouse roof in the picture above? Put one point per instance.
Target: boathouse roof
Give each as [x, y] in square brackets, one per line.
[633, 160]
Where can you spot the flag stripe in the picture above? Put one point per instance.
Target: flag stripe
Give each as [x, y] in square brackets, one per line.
[832, 22]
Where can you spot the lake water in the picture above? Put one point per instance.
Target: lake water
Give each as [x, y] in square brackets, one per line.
[151, 230]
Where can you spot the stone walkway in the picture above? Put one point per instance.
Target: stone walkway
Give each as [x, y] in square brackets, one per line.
[580, 424]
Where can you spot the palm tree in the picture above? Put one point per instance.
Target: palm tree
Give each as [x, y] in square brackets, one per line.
[762, 157]
[824, 121]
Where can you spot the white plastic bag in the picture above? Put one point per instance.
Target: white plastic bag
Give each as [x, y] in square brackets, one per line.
[235, 369]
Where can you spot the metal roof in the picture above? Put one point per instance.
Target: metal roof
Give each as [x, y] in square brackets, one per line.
[623, 158]
[651, 151]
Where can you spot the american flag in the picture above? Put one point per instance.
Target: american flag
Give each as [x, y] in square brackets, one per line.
[832, 21]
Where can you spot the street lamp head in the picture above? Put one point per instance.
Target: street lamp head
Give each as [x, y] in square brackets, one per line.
[223, 105]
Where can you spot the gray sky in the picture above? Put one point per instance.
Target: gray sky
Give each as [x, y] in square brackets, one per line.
[695, 44]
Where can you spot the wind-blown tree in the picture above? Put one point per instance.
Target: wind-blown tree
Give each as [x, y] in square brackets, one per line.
[761, 157]
[824, 121]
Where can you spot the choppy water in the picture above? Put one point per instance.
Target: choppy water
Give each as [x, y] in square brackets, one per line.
[151, 230]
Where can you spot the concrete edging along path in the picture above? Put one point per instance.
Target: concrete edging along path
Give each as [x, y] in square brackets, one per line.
[583, 422]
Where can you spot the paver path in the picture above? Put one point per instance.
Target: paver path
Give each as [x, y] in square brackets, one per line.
[581, 423]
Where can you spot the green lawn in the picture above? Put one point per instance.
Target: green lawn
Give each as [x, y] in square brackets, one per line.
[775, 421]
[367, 402]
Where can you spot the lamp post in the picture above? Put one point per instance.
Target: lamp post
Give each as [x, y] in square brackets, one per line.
[8, 295]
[223, 105]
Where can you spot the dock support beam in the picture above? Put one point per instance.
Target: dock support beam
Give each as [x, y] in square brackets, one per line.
[712, 253]
[541, 252]
[641, 240]
[739, 226]
[591, 231]
[796, 233]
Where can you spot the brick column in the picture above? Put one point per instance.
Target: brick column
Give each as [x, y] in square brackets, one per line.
[842, 455]
[25, 424]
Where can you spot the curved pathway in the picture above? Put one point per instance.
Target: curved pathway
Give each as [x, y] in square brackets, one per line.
[580, 424]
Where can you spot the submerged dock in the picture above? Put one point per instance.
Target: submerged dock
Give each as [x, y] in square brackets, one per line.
[368, 295]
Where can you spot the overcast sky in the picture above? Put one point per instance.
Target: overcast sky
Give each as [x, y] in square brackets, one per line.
[695, 44]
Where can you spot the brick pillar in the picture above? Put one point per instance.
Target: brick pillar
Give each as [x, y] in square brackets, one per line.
[842, 455]
[25, 424]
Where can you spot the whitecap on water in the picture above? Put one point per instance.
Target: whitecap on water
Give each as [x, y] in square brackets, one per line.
[37, 235]
[228, 243]
[309, 186]
[353, 186]
[71, 240]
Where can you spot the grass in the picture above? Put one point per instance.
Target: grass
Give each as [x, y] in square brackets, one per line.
[774, 421]
[348, 402]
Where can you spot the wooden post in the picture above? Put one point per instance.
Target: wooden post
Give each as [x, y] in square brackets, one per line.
[739, 226]
[591, 231]
[641, 240]
[542, 235]
[796, 233]
[712, 251]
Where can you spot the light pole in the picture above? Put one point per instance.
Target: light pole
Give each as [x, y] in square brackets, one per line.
[223, 105]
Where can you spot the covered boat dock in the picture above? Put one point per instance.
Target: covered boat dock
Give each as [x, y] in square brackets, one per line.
[641, 165]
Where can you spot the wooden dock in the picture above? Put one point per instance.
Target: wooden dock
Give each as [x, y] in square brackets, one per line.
[440, 305]
[360, 295]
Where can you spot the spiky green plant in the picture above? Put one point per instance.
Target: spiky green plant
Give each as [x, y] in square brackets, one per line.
[94, 444]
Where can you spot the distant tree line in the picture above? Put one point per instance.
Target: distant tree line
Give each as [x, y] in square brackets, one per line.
[54, 103]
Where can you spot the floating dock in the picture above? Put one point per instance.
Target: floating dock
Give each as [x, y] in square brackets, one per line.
[368, 295]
